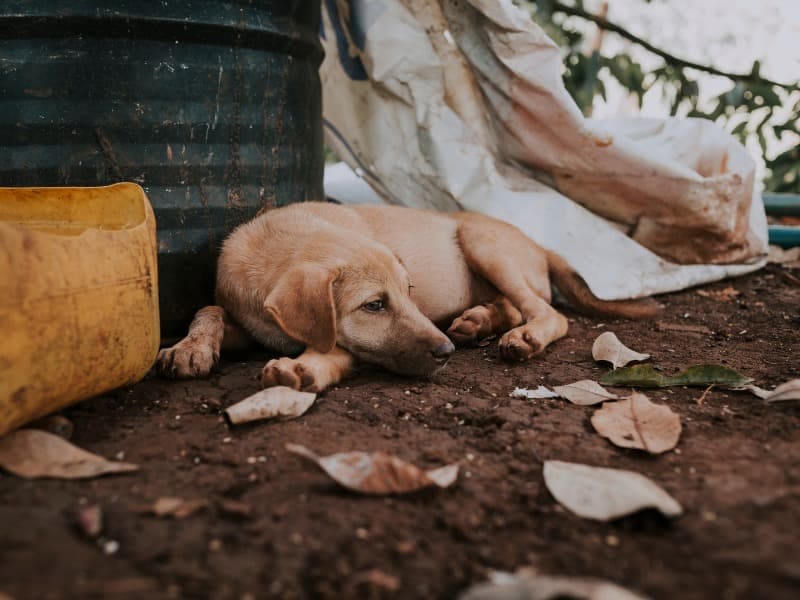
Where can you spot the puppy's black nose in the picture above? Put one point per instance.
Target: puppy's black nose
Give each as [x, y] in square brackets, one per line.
[444, 351]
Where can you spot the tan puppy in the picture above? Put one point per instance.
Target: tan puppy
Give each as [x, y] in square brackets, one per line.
[342, 284]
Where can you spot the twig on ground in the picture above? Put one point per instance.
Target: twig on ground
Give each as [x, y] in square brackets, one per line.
[702, 397]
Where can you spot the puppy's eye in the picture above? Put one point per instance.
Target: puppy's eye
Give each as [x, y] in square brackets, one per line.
[374, 306]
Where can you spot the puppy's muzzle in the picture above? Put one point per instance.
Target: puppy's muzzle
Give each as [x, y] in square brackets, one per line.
[442, 353]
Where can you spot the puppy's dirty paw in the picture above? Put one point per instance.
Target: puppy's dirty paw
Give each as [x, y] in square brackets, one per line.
[288, 372]
[186, 359]
[519, 345]
[473, 325]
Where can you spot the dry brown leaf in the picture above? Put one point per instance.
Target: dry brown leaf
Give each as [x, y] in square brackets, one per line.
[585, 392]
[784, 392]
[781, 256]
[635, 422]
[725, 295]
[376, 472]
[531, 586]
[32, 453]
[172, 506]
[607, 347]
[272, 403]
[605, 494]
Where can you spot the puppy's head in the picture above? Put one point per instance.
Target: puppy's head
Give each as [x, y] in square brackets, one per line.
[363, 305]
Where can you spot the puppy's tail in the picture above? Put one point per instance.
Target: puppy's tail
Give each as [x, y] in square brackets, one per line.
[577, 292]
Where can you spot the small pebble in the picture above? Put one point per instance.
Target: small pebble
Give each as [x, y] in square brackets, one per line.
[110, 547]
[90, 520]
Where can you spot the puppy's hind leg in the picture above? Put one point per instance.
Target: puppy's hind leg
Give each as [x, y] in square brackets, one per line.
[518, 268]
[483, 321]
[312, 371]
[198, 353]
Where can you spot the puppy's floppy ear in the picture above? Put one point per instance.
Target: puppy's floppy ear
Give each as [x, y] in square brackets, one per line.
[301, 304]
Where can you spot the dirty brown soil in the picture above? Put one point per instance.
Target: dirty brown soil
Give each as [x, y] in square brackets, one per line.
[275, 526]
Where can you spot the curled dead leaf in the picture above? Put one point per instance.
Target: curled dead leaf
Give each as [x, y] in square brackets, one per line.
[531, 586]
[608, 348]
[172, 506]
[605, 494]
[278, 402]
[376, 472]
[32, 453]
[635, 422]
[585, 392]
[778, 255]
[538, 393]
[784, 392]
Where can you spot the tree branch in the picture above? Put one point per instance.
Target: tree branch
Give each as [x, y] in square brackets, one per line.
[669, 58]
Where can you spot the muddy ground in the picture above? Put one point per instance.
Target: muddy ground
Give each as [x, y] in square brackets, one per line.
[277, 527]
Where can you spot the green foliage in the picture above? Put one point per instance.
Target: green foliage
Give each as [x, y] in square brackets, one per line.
[752, 106]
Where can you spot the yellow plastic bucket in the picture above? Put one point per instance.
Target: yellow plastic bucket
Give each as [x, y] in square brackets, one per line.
[78, 296]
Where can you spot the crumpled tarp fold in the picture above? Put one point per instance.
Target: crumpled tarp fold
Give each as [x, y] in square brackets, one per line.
[460, 105]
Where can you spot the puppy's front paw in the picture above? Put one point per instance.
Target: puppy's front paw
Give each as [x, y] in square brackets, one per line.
[186, 359]
[289, 372]
[520, 344]
[473, 325]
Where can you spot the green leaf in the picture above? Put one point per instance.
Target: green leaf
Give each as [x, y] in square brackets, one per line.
[694, 376]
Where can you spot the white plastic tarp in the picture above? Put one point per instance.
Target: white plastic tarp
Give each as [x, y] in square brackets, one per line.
[460, 105]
